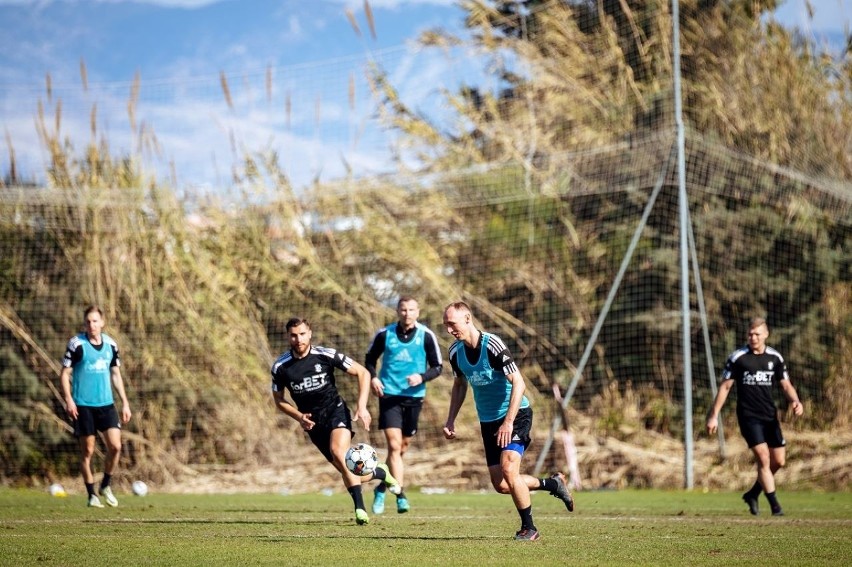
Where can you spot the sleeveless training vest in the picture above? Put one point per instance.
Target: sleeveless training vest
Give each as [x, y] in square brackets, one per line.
[91, 385]
[491, 390]
[401, 360]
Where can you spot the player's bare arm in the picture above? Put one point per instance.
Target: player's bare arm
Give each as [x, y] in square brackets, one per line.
[457, 396]
[118, 384]
[65, 381]
[792, 397]
[363, 375]
[721, 396]
[289, 409]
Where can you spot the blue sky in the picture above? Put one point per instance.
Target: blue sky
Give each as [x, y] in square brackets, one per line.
[317, 116]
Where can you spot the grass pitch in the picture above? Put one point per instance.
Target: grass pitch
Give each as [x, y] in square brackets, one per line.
[608, 528]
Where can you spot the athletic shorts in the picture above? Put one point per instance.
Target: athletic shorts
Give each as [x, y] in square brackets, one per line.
[520, 436]
[91, 419]
[335, 417]
[400, 412]
[757, 431]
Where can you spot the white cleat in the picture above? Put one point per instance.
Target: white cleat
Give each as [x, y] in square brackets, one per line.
[109, 497]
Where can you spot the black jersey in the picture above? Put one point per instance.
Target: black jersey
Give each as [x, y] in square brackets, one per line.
[754, 375]
[310, 380]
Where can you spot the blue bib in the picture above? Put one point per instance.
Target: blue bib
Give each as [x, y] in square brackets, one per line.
[400, 360]
[491, 389]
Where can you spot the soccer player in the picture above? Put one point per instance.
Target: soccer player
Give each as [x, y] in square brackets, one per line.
[90, 371]
[482, 360]
[307, 372]
[754, 368]
[411, 357]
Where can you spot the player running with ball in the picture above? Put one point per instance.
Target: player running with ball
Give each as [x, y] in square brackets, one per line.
[307, 372]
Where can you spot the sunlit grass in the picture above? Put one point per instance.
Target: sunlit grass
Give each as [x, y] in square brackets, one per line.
[608, 528]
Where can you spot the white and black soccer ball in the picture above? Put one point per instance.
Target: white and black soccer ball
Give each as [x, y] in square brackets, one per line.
[139, 488]
[361, 459]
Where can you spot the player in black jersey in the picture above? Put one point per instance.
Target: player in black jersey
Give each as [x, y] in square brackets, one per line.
[307, 372]
[754, 368]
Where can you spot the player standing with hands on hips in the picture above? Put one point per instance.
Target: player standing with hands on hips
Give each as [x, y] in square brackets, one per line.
[482, 360]
[410, 358]
[90, 370]
[307, 372]
[754, 368]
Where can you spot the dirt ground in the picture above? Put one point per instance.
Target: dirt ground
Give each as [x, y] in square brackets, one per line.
[815, 460]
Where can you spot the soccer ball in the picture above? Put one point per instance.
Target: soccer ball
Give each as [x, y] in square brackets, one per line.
[139, 488]
[57, 490]
[361, 459]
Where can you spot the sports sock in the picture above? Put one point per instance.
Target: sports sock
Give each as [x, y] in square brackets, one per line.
[773, 501]
[381, 486]
[400, 495]
[357, 497]
[755, 490]
[90, 488]
[548, 484]
[379, 474]
[105, 480]
[526, 518]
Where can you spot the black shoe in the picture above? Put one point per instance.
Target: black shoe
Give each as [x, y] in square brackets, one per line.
[562, 492]
[753, 505]
[527, 534]
[778, 512]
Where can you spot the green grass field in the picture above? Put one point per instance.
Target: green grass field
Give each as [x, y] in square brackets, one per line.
[607, 528]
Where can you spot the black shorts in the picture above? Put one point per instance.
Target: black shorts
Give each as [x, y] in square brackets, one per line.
[520, 436]
[91, 419]
[325, 421]
[757, 431]
[401, 412]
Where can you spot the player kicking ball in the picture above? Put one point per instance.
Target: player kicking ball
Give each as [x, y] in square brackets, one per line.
[307, 373]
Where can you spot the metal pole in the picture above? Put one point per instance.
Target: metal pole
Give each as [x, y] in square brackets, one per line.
[684, 250]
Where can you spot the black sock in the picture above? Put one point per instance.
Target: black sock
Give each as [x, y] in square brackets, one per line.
[548, 484]
[381, 487]
[90, 488]
[400, 495]
[773, 501]
[379, 474]
[357, 497]
[105, 480]
[526, 518]
[755, 490]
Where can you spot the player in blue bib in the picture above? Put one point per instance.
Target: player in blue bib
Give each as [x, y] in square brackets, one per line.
[410, 357]
[481, 361]
[90, 371]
